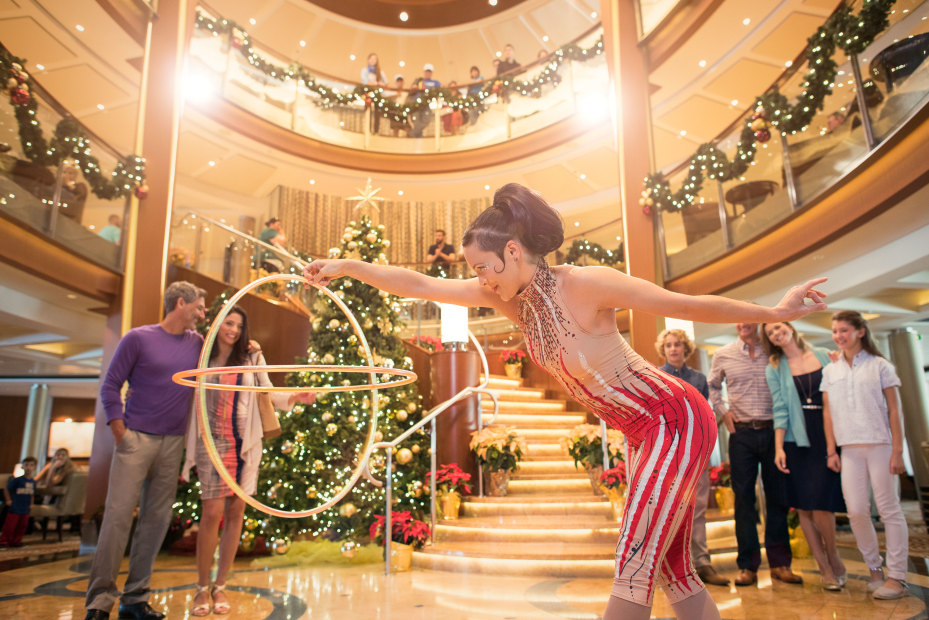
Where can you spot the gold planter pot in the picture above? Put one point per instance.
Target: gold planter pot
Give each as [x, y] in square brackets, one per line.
[617, 499]
[401, 557]
[449, 505]
[725, 498]
[513, 371]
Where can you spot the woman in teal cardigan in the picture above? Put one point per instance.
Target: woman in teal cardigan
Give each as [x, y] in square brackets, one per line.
[794, 373]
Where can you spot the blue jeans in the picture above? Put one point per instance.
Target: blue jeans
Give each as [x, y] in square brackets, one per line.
[749, 448]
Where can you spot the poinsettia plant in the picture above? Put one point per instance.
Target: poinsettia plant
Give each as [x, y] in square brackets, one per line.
[615, 477]
[720, 476]
[404, 529]
[450, 478]
[430, 343]
[585, 446]
[512, 356]
[499, 448]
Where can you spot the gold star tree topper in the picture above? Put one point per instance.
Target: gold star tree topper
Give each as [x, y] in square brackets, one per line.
[368, 197]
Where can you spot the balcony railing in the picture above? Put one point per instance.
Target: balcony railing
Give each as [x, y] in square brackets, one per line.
[874, 96]
[219, 69]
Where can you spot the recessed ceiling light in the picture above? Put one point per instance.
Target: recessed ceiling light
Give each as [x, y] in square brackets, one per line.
[351, 57]
[683, 132]
[402, 63]
[499, 54]
[40, 67]
[492, 2]
[79, 28]
[702, 63]
[790, 63]
[487, 187]
[252, 21]
[71, 296]
[545, 38]
[734, 102]
[312, 181]
[404, 16]
[746, 21]
[303, 44]
[399, 192]
[99, 106]
[212, 163]
[583, 176]
[619, 238]
[577, 224]
[593, 14]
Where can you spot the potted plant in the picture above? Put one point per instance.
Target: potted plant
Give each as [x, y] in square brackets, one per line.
[407, 534]
[721, 480]
[585, 446]
[614, 485]
[498, 450]
[451, 483]
[430, 343]
[513, 362]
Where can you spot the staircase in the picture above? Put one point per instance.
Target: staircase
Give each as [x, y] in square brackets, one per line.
[550, 523]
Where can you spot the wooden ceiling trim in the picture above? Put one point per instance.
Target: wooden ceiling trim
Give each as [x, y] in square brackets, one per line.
[46, 259]
[684, 21]
[422, 13]
[130, 16]
[893, 171]
[264, 132]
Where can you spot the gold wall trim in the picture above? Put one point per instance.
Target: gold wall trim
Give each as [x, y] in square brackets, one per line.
[46, 259]
[893, 171]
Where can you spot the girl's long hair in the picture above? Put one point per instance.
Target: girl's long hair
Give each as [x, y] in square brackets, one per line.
[775, 352]
[854, 318]
[239, 354]
[520, 214]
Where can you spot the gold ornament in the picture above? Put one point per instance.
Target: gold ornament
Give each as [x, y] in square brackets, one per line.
[311, 492]
[347, 510]
[411, 407]
[326, 417]
[280, 546]
[331, 429]
[401, 415]
[318, 465]
[371, 237]
[287, 447]
[300, 436]
[347, 236]
[251, 524]
[350, 419]
[368, 324]
[334, 324]
[378, 436]
[247, 542]
[415, 449]
[404, 456]
[328, 359]
[349, 549]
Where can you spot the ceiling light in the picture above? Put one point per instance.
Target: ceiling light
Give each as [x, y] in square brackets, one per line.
[252, 21]
[734, 102]
[399, 192]
[79, 28]
[402, 63]
[71, 296]
[312, 181]
[746, 21]
[702, 63]
[545, 38]
[212, 163]
[492, 2]
[583, 176]
[576, 224]
[404, 16]
[303, 44]
[40, 67]
[499, 54]
[789, 63]
[99, 106]
[593, 14]
[351, 57]
[683, 132]
[487, 187]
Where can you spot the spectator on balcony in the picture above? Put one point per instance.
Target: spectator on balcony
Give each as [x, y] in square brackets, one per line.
[374, 77]
[421, 118]
[474, 90]
[508, 62]
[73, 194]
[273, 234]
[440, 256]
[453, 118]
[112, 231]
[400, 96]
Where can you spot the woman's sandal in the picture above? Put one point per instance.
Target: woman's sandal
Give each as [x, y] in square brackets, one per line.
[223, 607]
[203, 609]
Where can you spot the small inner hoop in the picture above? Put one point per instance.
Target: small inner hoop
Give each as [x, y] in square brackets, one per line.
[184, 378]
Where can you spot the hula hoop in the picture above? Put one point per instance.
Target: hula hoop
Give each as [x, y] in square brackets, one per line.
[371, 370]
[183, 378]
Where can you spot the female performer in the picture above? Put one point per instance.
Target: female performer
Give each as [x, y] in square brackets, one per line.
[794, 374]
[568, 317]
[235, 424]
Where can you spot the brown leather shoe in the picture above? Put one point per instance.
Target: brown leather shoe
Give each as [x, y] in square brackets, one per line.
[746, 578]
[783, 573]
[709, 575]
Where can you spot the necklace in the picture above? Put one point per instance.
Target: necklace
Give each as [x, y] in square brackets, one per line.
[809, 392]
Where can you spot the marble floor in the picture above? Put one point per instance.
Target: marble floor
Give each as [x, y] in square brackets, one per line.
[55, 590]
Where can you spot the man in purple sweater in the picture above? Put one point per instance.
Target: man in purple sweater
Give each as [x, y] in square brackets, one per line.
[149, 433]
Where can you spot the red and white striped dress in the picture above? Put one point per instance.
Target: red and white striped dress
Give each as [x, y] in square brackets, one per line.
[670, 428]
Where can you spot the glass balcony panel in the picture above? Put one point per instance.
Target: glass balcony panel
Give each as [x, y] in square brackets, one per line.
[896, 69]
[692, 235]
[58, 202]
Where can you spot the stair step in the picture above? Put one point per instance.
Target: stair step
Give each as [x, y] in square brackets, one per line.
[521, 393]
[532, 567]
[526, 406]
[451, 533]
[536, 420]
[528, 505]
[544, 435]
[548, 466]
[551, 550]
[518, 486]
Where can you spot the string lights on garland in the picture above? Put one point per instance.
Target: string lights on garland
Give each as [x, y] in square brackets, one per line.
[68, 140]
[583, 247]
[374, 96]
[844, 30]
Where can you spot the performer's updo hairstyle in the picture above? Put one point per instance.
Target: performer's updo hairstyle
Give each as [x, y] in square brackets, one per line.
[517, 213]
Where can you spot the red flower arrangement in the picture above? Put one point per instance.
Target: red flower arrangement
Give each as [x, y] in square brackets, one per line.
[512, 356]
[451, 478]
[615, 477]
[405, 529]
[720, 476]
[430, 343]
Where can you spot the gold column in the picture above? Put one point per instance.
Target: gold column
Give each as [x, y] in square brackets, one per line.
[633, 125]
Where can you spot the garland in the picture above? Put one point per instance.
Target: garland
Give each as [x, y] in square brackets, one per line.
[68, 140]
[850, 33]
[583, 247]
[373, 96]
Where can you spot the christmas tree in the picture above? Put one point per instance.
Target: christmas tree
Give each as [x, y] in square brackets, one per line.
[321, 443]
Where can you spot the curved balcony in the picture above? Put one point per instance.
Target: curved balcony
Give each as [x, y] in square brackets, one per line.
[865, 150]
[322, 118]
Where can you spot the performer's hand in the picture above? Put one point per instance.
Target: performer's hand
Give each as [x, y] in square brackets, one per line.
[780, 460]
[793, 305]
[896, 463]
[323, 271]
[307, 398]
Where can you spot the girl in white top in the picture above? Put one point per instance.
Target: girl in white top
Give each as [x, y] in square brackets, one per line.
[861, 415]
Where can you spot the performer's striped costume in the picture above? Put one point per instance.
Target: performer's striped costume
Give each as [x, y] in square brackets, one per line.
[670, 428]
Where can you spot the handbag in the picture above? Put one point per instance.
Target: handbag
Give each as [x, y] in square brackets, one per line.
[270, 425]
